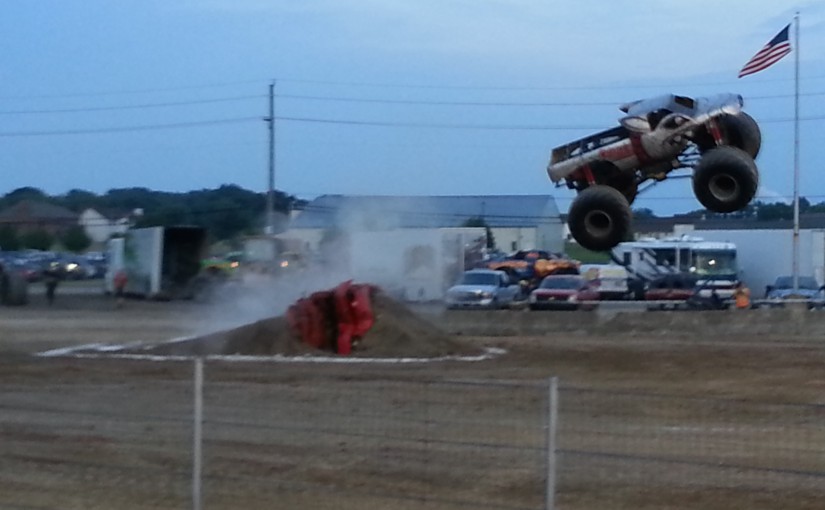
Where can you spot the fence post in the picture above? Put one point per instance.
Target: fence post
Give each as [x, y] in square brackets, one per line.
[197, 435]
[552, 419]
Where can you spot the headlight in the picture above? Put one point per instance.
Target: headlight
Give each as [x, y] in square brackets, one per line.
[572, 299]
[486, 295]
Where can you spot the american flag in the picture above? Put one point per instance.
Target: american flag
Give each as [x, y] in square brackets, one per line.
[770, 54]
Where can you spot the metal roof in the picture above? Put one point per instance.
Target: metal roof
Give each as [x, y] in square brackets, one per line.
[386, 212]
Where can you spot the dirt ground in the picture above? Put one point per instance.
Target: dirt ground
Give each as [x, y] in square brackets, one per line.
[105, 433]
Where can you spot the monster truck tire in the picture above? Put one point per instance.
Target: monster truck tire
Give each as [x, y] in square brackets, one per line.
[599, 218]
[740, 130]
[607, 173]
[743, 132]
[725, 180]
[626, 185]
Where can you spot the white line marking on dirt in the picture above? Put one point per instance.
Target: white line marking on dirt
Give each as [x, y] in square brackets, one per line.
[110, 351]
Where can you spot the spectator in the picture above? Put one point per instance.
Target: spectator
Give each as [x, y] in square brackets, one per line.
[742, 296]
[51, 277]
[120, 281]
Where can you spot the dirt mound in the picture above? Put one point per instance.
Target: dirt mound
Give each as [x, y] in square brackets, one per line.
[397, 333]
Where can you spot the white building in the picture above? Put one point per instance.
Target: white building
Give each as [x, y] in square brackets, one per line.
[516, 221]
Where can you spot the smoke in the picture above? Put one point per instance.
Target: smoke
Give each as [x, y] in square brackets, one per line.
[371, 242]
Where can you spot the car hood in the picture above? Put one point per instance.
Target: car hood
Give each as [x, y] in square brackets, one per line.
[472, 288]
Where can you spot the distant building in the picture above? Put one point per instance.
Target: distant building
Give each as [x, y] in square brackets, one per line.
[28, 215]
[516, 221]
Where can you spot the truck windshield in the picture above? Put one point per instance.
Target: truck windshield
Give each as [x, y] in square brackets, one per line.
[561, 283]
[714, 262]
[479, 279]
[805, 282]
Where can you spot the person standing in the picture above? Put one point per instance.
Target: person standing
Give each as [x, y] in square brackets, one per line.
[51, 277]
[120, 281]
[741, 297]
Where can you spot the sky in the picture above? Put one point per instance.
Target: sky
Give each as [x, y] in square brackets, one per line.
[380, 97]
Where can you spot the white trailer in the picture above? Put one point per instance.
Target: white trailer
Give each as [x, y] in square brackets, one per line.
[764, 254]
[160, 262]
[411, 264]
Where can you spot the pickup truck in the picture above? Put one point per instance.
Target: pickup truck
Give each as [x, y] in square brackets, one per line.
[483, 288]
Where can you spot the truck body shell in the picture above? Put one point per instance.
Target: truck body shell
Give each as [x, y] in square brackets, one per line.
[160, 262]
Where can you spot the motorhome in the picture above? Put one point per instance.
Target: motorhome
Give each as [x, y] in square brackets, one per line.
[712, 263]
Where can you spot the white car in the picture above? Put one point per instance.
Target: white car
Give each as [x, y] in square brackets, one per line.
[482, 288]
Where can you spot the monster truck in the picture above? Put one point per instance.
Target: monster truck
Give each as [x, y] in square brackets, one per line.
[712, 136]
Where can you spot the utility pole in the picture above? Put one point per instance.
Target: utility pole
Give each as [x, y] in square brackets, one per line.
[270, 194]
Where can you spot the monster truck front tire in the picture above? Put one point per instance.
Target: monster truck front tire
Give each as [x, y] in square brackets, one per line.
[739, 130]
[743, 132]
[599, 218]
[725, 180]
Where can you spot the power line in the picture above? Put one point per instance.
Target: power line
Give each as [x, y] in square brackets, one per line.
[346, 99]
[123, 129]
[131, 107]
[523, 87]
[536, 127]
[135, 91]
[414, 102]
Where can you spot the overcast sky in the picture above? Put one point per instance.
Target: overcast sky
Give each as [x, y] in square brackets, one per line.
[372, 94]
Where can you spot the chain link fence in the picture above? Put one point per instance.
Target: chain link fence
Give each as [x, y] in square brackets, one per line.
[120, 435]
[631, 450]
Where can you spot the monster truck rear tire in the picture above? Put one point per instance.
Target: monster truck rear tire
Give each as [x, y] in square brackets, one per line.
[599, 218]
[725, 180]
[626, 185]
[606, 172]
[740, 131]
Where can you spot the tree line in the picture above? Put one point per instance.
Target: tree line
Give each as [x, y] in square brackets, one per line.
[226, 212]
[757, 210]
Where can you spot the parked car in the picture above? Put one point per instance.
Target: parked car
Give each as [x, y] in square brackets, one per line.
[669, 291]
[807, 289]
[563, 292]
[483, 288]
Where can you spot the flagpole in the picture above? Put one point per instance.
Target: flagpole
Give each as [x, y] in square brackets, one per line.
[796, 162]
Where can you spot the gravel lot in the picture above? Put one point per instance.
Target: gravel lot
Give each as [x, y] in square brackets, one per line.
[645, 422]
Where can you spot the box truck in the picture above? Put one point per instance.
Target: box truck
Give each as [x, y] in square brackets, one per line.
[160, 262]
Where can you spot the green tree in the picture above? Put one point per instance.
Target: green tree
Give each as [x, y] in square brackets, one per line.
[644, 212]
[75, 239]
[77, 200]
[479, 222]
[20, 194]
[37, 240]
[9, 240]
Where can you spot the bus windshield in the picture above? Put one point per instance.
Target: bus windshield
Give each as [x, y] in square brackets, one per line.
[714, 262]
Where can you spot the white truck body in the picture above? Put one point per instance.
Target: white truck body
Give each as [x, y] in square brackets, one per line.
[411, 264]
[714, 263]
[764, 254]
[160, 262]
[610, 280]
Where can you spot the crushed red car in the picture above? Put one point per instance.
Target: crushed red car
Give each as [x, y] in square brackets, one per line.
[333, 320]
